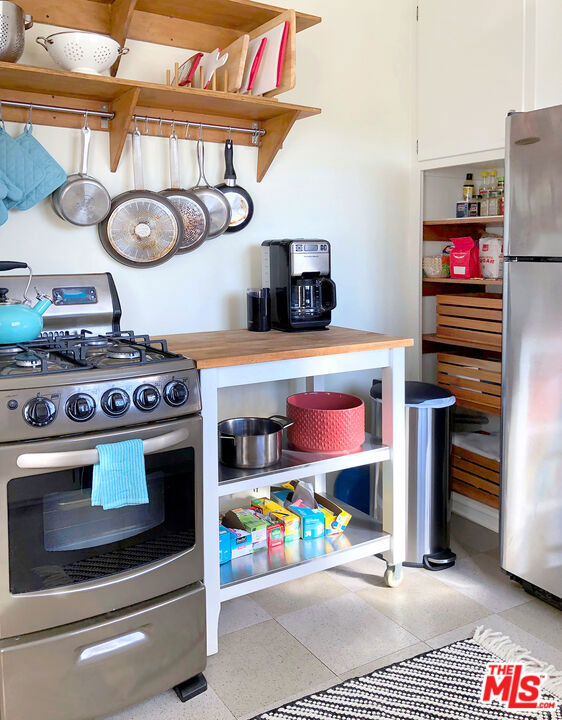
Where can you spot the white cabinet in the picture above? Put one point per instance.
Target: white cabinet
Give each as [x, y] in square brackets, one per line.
[548, 54]
[470, 73]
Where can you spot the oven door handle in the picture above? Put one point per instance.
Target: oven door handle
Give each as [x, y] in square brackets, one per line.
[79, 458]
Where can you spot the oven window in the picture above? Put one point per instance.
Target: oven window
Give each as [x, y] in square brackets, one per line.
[57, 538]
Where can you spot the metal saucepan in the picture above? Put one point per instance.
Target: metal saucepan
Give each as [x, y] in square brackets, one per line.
[217, 204]
[240, 200]
[252, 442]
[82, 200]
[143, 228]
[194, 213]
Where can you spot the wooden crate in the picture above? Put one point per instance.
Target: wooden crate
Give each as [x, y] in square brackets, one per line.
[475, 383]
[475, 476]
[474, 317]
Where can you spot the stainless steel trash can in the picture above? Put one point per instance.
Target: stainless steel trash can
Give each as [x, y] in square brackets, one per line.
[428, 447]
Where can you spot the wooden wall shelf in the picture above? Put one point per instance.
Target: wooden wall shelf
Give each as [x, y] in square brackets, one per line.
[25, 83]
[192, 24]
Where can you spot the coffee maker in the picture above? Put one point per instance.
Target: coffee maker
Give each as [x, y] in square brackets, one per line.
[297, 272]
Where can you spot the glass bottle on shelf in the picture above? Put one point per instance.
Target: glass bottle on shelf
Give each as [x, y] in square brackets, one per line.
[493, 195]
[484, 193]
[468, 188]
[501, 191]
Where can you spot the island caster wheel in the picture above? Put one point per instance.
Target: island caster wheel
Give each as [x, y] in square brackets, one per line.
[393, 575]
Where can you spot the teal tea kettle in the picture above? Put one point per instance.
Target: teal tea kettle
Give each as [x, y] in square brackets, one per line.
[19, 322]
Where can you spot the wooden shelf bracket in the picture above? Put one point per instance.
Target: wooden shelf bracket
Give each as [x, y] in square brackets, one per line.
[123, 109]
[120, 21]
[276, 130]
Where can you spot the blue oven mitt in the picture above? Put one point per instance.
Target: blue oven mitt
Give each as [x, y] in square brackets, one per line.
[54, 175]
[18, 166]
[8, 191]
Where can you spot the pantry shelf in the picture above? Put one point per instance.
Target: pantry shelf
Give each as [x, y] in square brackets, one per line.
[296, 465]
[430, 340]
[124, 98]
[443, 230]
[486, 220]
[362, 538]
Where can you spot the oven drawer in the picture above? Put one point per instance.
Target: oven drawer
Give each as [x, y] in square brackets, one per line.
[96, 667]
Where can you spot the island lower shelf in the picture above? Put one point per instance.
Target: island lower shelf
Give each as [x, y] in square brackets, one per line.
[363, 537]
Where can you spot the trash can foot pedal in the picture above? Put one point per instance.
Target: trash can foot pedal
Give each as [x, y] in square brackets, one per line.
[439, 561]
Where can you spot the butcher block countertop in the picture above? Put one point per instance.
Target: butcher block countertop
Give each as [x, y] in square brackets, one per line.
[224, 348]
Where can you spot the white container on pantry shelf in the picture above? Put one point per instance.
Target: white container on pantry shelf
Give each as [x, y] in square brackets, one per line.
[491, 256]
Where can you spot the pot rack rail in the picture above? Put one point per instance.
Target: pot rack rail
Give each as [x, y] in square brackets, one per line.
[254, 131]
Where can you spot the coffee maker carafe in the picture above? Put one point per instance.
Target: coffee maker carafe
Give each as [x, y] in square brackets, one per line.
[302, 292]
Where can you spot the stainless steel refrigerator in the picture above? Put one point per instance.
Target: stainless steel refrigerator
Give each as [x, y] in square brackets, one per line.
[531, 476]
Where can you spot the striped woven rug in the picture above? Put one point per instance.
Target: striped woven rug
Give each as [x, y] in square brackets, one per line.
[445, 684]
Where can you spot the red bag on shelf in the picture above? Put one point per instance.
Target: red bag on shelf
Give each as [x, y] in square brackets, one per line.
[464, 257]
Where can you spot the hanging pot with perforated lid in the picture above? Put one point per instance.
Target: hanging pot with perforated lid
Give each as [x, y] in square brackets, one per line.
[143, 228]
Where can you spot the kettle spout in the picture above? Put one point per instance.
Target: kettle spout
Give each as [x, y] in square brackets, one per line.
[42, 304]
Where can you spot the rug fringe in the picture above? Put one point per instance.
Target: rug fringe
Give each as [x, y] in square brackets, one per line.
[502, 646]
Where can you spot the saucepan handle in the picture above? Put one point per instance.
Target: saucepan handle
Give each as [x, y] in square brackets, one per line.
[283, 419]
[27, 22]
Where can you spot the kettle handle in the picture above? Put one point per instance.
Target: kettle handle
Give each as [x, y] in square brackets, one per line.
[6, 265]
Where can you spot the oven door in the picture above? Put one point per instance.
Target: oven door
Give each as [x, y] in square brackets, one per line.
[62, 560]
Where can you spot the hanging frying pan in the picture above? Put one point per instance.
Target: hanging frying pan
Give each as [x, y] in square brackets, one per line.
[143, 228]
[216, 203]
[240, 200]
[82, 200]
[194, 213]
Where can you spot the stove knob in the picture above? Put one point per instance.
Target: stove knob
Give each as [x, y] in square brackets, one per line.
[176, 393]
[39, 412]
[115, 402]
[146, 397]
[80, 407]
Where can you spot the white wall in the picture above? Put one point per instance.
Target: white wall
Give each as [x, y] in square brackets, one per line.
[343, 176]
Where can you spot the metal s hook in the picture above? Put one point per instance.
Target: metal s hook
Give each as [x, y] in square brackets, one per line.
[28, 123]
[146, 125]
[137, 132]
[160, 132]
[200, 131]
[86, 126]
[229, 133]
[187, 126]
[173, 133]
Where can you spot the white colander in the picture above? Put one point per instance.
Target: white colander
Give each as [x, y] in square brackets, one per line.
[84, 52]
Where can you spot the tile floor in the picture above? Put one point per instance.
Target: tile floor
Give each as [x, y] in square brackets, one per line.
[312, 633]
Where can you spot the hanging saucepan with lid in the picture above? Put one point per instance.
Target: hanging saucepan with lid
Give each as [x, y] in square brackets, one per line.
[19, 322]
[143, 229]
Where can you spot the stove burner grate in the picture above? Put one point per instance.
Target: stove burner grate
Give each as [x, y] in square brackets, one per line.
[128, 558]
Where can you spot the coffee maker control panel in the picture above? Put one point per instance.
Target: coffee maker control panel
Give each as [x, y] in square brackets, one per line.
[308, 257]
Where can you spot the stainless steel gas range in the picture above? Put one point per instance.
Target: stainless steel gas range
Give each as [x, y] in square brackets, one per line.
[99, 609]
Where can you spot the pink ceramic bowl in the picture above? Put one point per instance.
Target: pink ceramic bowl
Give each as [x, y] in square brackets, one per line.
[326, 422]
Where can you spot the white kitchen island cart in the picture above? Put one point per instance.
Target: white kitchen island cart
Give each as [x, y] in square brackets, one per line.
[239, 358]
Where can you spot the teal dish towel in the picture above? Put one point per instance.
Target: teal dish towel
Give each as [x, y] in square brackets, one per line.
[119, 478]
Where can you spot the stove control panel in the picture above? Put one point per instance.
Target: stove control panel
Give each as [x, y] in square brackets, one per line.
[58, 410]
